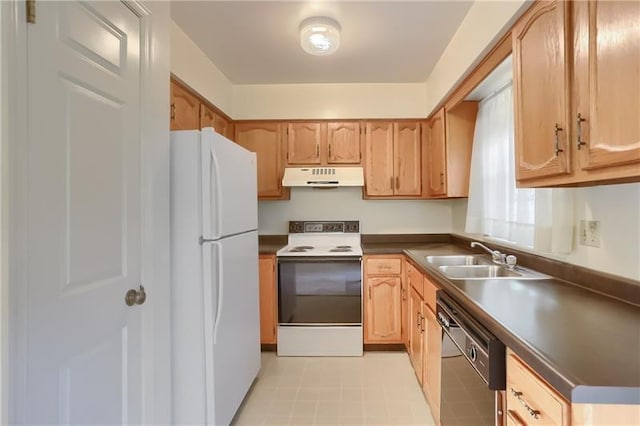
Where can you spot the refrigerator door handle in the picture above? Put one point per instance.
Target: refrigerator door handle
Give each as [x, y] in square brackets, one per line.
[218, 267]
[210, 176]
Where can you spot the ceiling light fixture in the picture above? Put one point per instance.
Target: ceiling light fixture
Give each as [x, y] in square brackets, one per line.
[319, 35]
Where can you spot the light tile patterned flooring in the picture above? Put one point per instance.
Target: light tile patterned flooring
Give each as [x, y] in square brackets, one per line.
[379, 388]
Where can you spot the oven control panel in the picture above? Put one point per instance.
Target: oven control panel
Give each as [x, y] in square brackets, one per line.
[300, 227]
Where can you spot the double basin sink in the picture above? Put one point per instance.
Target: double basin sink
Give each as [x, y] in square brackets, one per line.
[474, 267]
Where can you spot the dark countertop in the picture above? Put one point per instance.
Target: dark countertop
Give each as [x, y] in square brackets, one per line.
[270, 244]
[585, 344]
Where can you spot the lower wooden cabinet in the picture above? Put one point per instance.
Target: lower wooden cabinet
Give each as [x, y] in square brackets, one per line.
[531, 401]
[268, 299]
[383, 299]
[383, 303]
[416, 337]
[432, 362]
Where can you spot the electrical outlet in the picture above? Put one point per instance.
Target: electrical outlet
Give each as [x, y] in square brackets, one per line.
[590, 233]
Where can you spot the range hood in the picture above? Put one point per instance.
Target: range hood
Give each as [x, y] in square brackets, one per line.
[323, 177]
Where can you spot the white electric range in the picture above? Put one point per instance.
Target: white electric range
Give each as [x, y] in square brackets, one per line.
[320, 290]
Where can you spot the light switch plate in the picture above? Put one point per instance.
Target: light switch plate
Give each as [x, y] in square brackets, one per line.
[590, 233]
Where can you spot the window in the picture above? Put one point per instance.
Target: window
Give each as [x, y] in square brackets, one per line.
[541, 219]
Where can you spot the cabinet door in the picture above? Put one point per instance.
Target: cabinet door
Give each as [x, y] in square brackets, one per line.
[541, 91]
[185, 108]
[343, 143]
[407, 155]
[303, 143]
[378, 168]
[268, 304]
[210, 118]
[265, 139]
[382, 310]
[416, 341]
[607, 75]
[405, 294]
[436, 155]
[432, 362]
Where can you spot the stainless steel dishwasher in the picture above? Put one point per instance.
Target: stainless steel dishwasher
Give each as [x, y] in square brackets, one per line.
[473, 369]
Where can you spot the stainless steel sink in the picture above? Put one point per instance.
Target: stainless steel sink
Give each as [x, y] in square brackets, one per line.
[483, 272]
[455, 260]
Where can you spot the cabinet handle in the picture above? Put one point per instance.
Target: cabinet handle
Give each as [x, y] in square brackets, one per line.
[557, 129]
[422, 324]
[317, 150]
[369, 293]
[173, 111]
[418, 319]
[441, 178]
[397, 182]
[391, 182]
[579, 121]
[329, 150]
[518, 395]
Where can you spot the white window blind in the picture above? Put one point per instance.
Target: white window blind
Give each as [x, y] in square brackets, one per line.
[541, 219]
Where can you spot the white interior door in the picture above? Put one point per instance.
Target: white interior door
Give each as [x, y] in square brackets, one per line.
[83, 344]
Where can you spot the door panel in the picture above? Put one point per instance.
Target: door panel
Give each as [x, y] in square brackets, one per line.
[540, 57]
[383, 306]
[303, 143]
[265, 139]
[608, 66]
[83, 362]
[407, 155]
[343, 143]
[437, 155]
[378, 166]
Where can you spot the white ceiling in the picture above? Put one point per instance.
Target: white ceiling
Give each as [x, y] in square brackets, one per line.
[257, 42]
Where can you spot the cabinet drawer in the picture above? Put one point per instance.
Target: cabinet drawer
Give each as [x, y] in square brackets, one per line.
[414, 276]
[528, 396]
[429, 293]
[383, 266]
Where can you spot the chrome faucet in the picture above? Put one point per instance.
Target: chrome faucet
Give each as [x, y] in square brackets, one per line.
[500, 258]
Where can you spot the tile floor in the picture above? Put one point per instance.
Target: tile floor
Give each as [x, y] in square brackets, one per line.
[379, 388]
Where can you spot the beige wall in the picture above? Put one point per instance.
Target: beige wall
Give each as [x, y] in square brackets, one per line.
[375, 216]
[192, 66]
[291, 101]
[617, 207]
[485, 23]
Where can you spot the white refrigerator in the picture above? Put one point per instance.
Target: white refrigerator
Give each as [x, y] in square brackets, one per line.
[214, 277]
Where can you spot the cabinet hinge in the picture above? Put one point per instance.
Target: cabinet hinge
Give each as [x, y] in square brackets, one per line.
[31, 11]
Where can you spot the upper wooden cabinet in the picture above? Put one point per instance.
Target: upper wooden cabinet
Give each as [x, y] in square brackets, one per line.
[343, 143]
[583, 127]
[436, 155]
[190, 112]
[210, 118]
[185, 108]
[265, 139]
[607, 87]
[323, 143]
[542, 90]
[303, 143]
[448, 140]
[393, 159]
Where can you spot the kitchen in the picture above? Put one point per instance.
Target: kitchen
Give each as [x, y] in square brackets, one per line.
[613, 207]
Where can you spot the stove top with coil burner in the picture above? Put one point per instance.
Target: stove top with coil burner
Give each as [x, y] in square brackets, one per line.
[327, 238]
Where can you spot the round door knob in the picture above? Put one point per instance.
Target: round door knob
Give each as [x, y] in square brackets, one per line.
[135, 297]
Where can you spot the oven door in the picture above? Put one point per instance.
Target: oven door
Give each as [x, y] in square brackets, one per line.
[320, 291]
